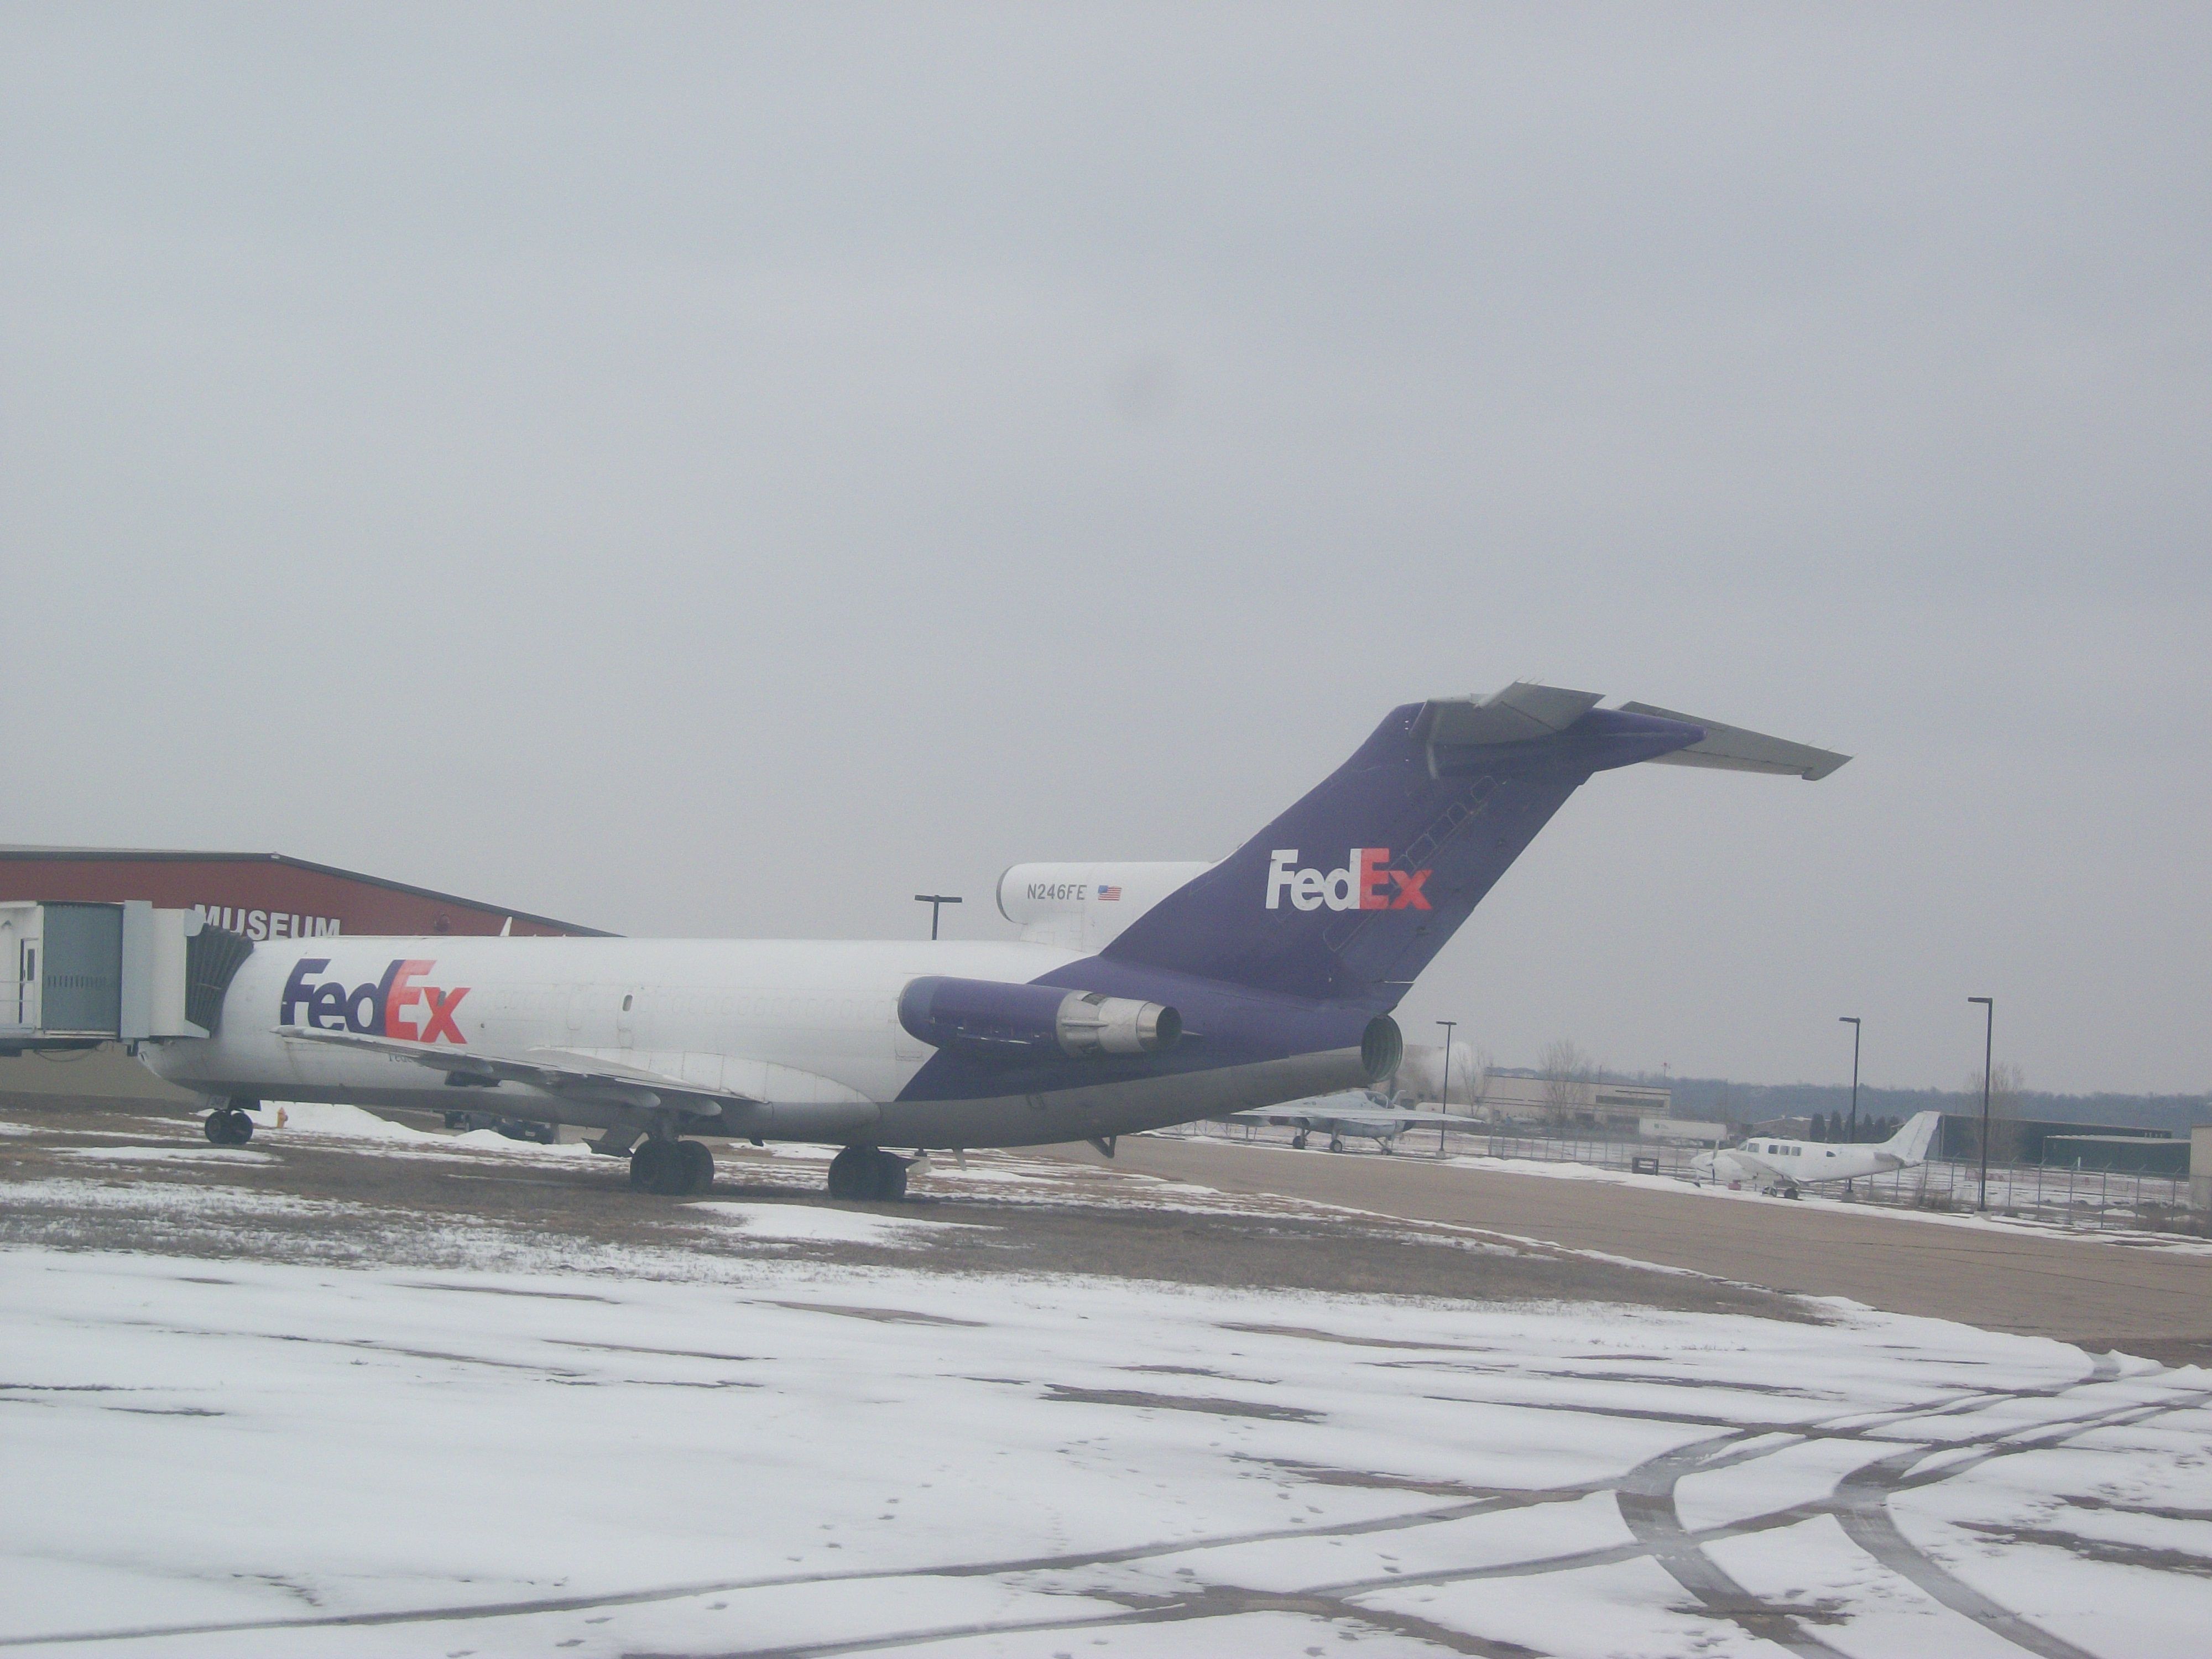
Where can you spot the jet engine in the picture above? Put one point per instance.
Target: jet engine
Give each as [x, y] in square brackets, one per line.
[990, 1016]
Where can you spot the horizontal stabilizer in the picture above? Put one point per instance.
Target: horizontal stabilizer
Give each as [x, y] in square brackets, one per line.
[1732, 749]
[1522, 713]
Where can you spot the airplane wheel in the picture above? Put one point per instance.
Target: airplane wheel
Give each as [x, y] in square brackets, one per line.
[657, 1166]
[867, 1174]
[696, 1164]
[1298, 1140]
[853, 1172]
[1335, 1144]
[890, 1178]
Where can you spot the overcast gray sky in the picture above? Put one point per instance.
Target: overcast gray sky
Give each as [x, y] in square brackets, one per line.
[725, 470]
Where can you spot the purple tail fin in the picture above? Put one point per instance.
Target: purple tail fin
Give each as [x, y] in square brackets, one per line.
[1352, 892]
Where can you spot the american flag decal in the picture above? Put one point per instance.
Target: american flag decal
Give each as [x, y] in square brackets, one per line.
[1109, 892]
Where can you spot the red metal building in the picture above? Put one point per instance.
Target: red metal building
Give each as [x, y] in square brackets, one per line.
[260, 895]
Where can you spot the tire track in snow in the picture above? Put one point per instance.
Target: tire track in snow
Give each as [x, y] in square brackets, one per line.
[1646, 1501]
[1859, 1504]
[1645, 1496]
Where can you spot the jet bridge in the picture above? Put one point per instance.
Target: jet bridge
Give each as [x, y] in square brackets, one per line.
[75, 975]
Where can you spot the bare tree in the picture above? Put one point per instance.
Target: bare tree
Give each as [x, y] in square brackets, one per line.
[2007, 1084]
[1565, 1067]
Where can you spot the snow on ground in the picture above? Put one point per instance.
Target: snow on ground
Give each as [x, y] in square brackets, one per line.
[317, 1117]
[256, 1459]
[816, 1224]
[276, 1119]
[189, 1205]
[202, 1154]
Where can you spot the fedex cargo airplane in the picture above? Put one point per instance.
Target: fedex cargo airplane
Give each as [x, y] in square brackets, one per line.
[1138, 994]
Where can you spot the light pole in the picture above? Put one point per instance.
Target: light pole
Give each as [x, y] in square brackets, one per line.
[1989, 1049]
[1852, 1020]
[1445, 1092]
[933, 900]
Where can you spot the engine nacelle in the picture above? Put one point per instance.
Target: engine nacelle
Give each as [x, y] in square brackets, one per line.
[1017, 1022]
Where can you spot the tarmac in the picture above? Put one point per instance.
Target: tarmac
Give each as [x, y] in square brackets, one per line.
[1375, 1236]
[2097, 1294]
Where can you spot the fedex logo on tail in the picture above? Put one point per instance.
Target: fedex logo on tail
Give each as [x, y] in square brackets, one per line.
[385, 1007]
[1361, 884]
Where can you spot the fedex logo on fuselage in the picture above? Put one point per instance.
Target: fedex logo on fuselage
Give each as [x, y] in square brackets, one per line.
[1361, 884]
[385, 1007]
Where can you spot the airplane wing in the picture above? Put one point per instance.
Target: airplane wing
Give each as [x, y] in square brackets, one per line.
[556, 1071]
[1366, 1118]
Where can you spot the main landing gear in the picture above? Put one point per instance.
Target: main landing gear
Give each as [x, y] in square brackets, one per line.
[1298, 1141]
[674, 1168]
[868, 1174]
[229, 1126]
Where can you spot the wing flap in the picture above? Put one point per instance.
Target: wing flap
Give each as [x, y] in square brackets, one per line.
[557, 1072]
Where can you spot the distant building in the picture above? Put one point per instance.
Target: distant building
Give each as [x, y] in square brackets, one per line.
[1609, 1108]
[2128, 1153]
[2030, 1140]
[261, 895]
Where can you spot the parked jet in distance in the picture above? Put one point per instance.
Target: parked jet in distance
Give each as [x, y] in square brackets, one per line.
[1138, 995]
[1363, 1113]
[1771, 1163]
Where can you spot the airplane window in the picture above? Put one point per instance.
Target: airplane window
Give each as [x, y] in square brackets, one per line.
[625, 1005]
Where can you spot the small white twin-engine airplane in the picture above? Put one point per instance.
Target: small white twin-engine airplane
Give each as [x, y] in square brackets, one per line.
[1138, 994]
[1362, 1114]
[1772, 1164]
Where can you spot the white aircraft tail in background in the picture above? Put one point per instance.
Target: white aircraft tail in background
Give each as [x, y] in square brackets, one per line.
[1771, 1163]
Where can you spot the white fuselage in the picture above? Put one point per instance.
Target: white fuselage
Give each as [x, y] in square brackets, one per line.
[809, 1029]
[1770, 1162]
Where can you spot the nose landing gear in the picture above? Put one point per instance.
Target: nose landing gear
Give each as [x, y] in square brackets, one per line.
[673, 1169]
[868, 1174]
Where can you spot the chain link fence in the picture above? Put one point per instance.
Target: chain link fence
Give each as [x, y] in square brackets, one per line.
[2103, 1200]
